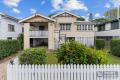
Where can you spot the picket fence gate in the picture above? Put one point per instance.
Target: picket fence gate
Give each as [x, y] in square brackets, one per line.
[63, 72]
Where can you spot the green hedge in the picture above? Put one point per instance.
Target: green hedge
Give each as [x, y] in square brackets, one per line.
[21, 40]
[100, 44]
[8, 47]
[33, 56]
[115, 47]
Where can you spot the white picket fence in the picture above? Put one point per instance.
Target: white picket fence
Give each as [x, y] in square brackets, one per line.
[63, 72]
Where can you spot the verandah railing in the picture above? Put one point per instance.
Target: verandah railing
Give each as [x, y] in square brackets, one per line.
[63, 72]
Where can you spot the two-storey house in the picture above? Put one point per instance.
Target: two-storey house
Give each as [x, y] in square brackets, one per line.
[10, 27]
[40, 30]
[108, 30]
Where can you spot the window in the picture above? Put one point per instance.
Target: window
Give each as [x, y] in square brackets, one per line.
[11, 28]
[68, 26]
[65, 26]
[86, 27]
[9, 38]
[70, 38]
[62, 27]
[79, 27]
[89, 27]
[101, 27]
[83, 27]
[115, 25]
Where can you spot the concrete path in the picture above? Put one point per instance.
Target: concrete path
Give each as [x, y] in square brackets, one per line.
[3, 66]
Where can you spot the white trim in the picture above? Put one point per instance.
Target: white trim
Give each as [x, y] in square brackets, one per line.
[65, 12]
[34, 16]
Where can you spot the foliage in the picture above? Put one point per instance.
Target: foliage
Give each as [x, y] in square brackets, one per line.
[51, 14]
[21, 40]
[96, 56]
[100, 43]
[101, 20]
[33, 56]
[115, 47]
[81, 19]
[111, 14]
[8, 47]
[75, 53]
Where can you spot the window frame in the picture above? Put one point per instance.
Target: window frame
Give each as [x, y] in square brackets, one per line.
[11, 28]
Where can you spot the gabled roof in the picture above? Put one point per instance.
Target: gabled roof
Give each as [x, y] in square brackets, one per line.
[10, 17]
[34, 15]
[65, 12]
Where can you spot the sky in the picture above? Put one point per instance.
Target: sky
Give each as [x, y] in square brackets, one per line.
[23, 8]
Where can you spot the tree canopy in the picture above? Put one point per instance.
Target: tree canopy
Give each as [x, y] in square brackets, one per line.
[101, 20]
[112, 13]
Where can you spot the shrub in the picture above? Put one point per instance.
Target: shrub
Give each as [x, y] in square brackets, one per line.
[115, 47]
[100, 44]
[97, 56]
[75, 53]
[33, 56]
[21, 40]
[8, 47]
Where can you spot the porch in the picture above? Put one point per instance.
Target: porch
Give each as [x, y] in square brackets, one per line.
[38, 30]
[39, 42]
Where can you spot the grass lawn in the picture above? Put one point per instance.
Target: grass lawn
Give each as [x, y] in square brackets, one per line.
[113, 59]
[51, 59]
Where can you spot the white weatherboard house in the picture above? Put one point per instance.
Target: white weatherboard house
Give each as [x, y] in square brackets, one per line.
[109, 30]
[40, 30]
[9, 27]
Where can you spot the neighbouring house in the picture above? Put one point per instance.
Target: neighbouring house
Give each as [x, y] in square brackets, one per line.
[10, 27]
[109, 30]
[40, 30]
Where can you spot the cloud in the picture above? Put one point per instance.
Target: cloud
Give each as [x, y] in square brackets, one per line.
[43, 2]
[107, 5]
[75, 5]
[69, 5]
[16, 10]
[56, 4]
[11, 3]
[86, 18]
[97, 15]
[33, 11]
[115, 2]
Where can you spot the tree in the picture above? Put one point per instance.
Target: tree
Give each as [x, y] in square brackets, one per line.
[101, 20]
[21, 40]
[81, 19]
[111, 14]
[51, 14]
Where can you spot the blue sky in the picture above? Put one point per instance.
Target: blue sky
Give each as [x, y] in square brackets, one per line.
[24, 8]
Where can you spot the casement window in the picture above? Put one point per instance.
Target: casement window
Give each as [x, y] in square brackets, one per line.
[83, 27]
[11, 28]
[65, 27]
[79, 27]
[89, 27]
